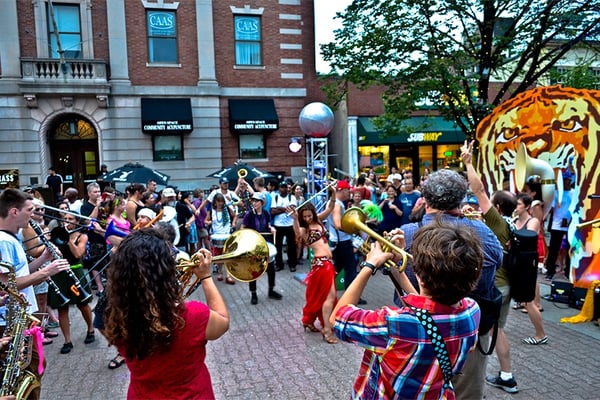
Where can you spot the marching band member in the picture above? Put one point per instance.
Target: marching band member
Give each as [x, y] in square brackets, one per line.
[154, 328]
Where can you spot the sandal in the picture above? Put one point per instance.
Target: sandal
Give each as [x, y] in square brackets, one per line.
[229, 281]
[310, 328]
[116, 362]
[329, 337]
[518, 306]
[50, 334]
[524, 311]
[532, 340]
[219, 277]
[47, 340]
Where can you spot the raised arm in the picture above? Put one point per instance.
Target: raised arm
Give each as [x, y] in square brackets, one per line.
[474, 180]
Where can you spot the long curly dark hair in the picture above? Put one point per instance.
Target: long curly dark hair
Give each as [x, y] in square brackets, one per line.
[144, 305]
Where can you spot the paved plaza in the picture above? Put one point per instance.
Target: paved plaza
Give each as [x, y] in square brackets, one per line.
[266, 354]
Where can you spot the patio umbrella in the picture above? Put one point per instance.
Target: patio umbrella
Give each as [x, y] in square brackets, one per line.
[135, 173]
[233, 172]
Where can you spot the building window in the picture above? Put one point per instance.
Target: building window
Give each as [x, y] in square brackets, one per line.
[252, 146]
[162, 36]
[64, 31]
[248, 49]
[167, 148]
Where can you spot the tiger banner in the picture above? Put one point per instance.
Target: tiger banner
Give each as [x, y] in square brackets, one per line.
[560, 127]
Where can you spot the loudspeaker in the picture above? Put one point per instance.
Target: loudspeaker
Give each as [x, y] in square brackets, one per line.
[561, 292]
[578, 297]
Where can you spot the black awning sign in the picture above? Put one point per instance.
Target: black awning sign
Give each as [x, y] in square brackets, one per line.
[252, 116]
[166, 116]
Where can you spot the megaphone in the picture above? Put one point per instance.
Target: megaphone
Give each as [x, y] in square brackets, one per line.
[526, 166]
[112, 230]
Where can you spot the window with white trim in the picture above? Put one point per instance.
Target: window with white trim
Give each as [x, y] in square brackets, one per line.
[64, 30]
[248, 42]
[162, 36]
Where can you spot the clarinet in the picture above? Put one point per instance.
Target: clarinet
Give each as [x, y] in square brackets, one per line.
[76, 288]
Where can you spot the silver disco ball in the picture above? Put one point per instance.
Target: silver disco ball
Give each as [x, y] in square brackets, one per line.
[316, 120]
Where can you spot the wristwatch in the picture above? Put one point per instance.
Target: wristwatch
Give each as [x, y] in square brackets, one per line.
[370, 266]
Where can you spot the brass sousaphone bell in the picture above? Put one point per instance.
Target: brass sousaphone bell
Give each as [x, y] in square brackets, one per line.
[245, 255]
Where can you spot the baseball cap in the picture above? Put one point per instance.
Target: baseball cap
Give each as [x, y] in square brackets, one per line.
[146, 212]
[168, 192]
[223, 180]
[258, 196]
[283, 184]
[343, 184]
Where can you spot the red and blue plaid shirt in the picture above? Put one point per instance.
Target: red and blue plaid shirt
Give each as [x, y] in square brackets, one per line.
[399, 361]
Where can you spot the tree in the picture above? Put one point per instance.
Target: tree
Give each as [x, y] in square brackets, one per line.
[463, 57]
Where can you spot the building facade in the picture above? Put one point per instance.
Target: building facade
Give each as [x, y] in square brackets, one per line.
[184, 87]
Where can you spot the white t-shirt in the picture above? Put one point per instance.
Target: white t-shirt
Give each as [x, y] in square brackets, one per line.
[277, 201]
[11, 250]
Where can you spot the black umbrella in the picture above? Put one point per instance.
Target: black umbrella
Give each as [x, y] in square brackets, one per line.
[135, 173]
[248, 172]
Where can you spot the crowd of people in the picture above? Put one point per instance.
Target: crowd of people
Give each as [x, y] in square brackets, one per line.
[124, 248]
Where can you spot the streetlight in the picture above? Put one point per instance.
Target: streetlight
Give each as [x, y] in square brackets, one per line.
[295, 145]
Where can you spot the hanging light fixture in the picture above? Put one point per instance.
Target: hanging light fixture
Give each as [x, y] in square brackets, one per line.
[295, 145]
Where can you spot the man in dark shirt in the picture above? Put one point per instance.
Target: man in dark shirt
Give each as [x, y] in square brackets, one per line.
[92, 208]
[55, 182]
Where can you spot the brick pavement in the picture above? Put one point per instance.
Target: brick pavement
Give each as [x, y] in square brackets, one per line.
[266, 354]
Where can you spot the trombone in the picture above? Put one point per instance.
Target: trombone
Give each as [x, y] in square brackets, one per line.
[592, 222]
[78, 215]
[245, 255]
[353, 222]
[314, 196]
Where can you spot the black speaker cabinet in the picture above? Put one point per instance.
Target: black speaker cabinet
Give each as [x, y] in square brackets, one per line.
[597, 303]
[578, 297]
[561, 292]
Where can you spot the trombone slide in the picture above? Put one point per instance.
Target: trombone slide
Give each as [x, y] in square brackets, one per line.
[592, 222]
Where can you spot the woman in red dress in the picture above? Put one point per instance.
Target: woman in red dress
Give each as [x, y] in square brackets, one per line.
[320, 281]
[162, 337]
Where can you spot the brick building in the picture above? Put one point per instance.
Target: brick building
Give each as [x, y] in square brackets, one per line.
[185, 87]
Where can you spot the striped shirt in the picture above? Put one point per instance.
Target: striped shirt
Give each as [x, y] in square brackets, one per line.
[399, 361]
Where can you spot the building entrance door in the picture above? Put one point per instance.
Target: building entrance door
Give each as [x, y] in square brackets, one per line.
[74, 152]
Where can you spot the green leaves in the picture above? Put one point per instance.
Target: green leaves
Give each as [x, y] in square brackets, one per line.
[462, 57]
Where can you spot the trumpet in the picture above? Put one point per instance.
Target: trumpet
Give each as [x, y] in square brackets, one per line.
[242, 173]
[353, 222]
[245, 255]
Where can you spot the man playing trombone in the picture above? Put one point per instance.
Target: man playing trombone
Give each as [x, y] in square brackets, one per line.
[93, 209]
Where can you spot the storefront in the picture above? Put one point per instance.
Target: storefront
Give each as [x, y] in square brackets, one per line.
[429, 143]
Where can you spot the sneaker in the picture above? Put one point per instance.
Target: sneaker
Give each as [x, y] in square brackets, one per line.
[52, 324]
[362, 302]
[67, 347]
[509, 385]
[89, 338]
[274, 295]
[254, 299]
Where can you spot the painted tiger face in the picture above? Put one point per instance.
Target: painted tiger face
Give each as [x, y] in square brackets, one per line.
[560, 126]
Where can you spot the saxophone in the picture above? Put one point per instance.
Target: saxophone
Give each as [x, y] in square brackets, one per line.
[16, 380]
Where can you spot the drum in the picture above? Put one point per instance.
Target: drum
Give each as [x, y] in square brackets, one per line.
[272, 252]
[218, 239]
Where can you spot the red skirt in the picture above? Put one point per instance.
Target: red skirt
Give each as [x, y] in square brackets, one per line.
[318, 281]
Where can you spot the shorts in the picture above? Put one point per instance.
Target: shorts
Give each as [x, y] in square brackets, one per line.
[202, 232]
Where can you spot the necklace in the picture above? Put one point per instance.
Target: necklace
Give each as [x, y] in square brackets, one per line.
[219, 220]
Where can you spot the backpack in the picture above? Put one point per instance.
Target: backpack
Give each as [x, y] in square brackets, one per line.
[521, 262]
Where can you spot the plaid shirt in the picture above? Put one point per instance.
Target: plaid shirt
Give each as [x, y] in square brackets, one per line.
[399, 361]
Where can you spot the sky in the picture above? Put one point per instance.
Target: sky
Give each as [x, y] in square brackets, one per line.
[325, 25]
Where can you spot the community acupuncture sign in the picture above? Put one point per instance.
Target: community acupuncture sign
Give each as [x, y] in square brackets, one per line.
[166, 116]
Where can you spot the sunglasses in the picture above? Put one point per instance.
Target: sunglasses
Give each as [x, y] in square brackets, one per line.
[38, 209]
